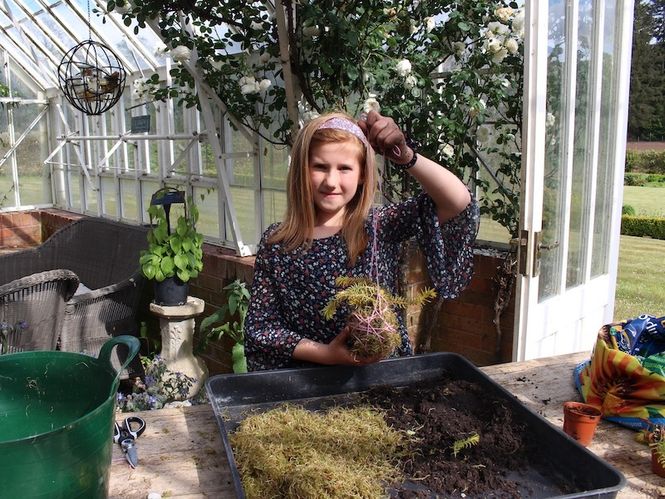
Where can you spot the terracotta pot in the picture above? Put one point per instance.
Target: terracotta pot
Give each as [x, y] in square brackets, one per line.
[580, 421]
[656, 465]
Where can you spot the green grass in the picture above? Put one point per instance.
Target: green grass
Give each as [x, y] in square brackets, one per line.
[640, 283]
[645, 200]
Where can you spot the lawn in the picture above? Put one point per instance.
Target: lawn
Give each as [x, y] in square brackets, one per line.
[645, 200]
[641, 280]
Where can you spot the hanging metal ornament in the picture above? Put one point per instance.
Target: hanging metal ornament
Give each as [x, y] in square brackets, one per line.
[91, 76]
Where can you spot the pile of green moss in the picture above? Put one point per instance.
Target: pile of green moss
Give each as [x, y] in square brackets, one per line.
[292, 452]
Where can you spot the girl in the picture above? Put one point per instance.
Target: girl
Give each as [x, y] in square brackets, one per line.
[328, 232]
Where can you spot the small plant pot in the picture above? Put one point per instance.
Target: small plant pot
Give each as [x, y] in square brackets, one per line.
[580, 421]
[657, 465]
[171, 292]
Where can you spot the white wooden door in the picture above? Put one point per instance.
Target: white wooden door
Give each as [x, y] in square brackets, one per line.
[577, 64]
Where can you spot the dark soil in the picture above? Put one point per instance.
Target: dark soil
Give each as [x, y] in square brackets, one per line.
[451, 411]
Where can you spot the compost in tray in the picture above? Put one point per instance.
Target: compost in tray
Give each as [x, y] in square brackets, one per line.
[445, 399]
[462, 441]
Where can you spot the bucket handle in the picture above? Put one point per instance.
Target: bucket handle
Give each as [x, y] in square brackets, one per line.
[130, 342]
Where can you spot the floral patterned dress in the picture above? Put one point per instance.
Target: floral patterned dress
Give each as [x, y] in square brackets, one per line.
[290, 289]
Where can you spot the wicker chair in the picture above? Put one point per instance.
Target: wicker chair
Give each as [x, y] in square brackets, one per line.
[105, 257]
[32, 309]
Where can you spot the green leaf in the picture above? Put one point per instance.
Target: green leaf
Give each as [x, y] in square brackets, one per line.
[181, 261]
[148, 271]
[167, 266]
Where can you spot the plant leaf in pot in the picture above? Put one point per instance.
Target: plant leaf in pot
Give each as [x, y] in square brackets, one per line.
[173, 257]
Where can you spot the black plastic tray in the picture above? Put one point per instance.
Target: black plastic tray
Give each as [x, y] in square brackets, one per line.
[233, 395]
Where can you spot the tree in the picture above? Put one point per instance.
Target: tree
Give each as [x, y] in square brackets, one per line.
[647, 77]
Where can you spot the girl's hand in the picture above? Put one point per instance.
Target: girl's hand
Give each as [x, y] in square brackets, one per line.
[386, 137]
[340, 350]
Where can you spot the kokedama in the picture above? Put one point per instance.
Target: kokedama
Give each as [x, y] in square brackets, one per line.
[373, 322]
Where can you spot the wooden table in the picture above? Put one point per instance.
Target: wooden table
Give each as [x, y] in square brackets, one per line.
[181, 452]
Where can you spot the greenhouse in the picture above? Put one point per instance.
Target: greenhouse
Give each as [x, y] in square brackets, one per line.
[112, 113]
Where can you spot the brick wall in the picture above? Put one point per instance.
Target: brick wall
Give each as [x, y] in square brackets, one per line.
[464, 325]
[20, 229]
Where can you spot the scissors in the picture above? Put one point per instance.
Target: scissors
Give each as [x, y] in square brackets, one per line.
[126, 434]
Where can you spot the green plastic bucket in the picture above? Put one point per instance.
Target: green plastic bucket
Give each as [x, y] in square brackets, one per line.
[56, 422]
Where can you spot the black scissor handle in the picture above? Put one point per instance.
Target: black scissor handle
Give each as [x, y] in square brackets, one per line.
[132, 428]
[135, 426]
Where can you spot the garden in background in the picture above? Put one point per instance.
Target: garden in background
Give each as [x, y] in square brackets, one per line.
[641, 277]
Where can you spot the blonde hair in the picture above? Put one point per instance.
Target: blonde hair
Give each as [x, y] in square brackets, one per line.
[298, 226]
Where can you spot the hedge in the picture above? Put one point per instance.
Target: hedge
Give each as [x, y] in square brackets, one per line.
[645, 161]
[643, 226]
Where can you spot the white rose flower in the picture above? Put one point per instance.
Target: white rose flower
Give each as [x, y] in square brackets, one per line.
[248, 85]
[256, 26]
[371, 104]
[550, 120]
[264, 58]
[518, 24]
[483, 134]
[410, 81]
[448, 151]
[310, 31]
[249, 88]
[403, 67]
[496, 28]
[413, 28]
[309, 116]
[459, 48]
[504, 14]
[511, 45]
[181, 53]
[510, 136]
[140, 87]
[498, 57]
[493, 45]
[264, 84]
[430, 24]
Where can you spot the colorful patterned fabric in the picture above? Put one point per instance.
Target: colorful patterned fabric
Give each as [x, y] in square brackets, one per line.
[624, 376]
[291, 288]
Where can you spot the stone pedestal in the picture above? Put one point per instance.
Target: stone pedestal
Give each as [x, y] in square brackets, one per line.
[177, 328]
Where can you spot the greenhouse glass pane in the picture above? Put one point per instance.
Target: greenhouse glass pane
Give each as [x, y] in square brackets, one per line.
[6, 180]
[604, 190]
[275, 167]
[91, 197]
[148, 187]
[208, 211]
[34, 187]
[56, 30]
[110, 196]
[555, 171]
[274, 207]
[128, 190]
[579, 216]
[75, 192]
[243, 202]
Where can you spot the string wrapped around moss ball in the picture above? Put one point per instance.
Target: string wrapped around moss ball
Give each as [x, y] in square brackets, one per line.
[373, 321]
[374, 330]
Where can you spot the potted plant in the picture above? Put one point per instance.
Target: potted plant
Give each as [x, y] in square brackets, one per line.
[373, 322]
[221, 323]
[656, 441]
[173, 256]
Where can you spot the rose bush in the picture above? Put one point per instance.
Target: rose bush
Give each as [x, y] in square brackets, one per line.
[449, 72]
